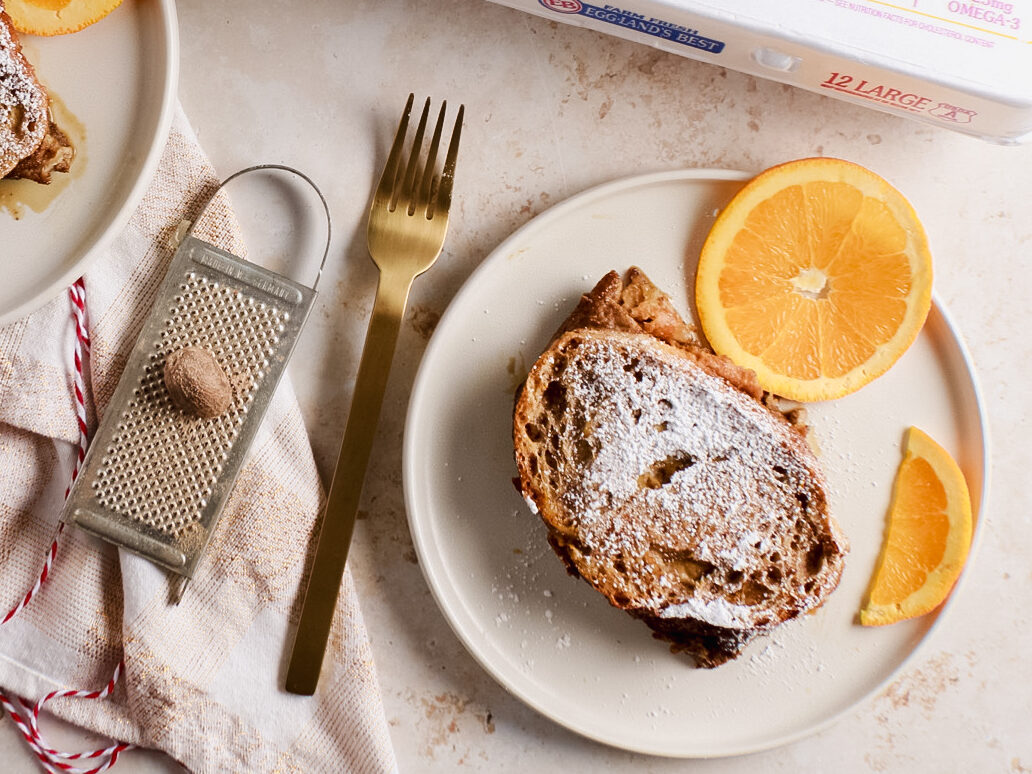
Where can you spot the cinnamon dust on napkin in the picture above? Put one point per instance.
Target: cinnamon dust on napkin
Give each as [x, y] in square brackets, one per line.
[203, 681]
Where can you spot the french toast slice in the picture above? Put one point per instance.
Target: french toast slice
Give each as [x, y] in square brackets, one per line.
[666, 482]
[32, 146]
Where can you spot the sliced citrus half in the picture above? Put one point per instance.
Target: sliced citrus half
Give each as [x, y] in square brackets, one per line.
[817, 275]
[928, 537]
[57, 17]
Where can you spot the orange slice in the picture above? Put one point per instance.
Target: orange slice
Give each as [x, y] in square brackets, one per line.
[928, 536]
[817, 276]
[57, 17]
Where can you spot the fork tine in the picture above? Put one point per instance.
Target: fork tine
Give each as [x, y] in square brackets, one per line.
[422, 201]
[403, 191]
[385, 188]
[444, 191]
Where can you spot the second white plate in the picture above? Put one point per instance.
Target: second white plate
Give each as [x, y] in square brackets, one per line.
[550, 639]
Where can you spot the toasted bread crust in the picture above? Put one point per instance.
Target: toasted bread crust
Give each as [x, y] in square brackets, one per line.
[638, 306]
[666, 483]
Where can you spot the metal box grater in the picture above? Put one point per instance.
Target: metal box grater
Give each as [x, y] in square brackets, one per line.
[155, 479]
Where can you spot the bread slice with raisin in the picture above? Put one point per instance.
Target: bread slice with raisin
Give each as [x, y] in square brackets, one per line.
[666, 482]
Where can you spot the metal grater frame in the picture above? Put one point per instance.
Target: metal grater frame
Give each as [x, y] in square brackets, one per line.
[155, 479]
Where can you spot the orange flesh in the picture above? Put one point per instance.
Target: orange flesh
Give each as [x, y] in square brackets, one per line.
[918, 531]
[50, 5]
[817, 280]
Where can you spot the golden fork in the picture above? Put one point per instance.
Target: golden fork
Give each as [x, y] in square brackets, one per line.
[408, 221]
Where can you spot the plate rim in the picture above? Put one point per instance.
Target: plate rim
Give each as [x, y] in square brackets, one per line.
[169, 27]
[418, 530]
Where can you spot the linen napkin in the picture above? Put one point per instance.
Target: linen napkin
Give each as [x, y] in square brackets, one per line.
[202, 679]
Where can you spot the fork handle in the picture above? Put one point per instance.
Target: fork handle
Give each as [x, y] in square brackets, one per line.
[346, 487]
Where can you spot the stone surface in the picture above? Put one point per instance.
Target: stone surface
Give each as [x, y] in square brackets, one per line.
[552, 110]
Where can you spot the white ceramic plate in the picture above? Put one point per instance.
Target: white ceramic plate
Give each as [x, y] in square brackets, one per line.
[118, 79]
[550, 639]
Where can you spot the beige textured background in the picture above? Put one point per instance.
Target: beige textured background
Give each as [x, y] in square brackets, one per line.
[552, 110]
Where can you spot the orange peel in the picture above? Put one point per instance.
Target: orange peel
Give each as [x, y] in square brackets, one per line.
[57, 17]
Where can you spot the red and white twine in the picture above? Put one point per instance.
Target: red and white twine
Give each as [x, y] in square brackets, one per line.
[27, 721]
[77, 292]
[26, 717]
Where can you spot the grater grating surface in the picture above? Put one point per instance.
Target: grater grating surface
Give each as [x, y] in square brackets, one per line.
[155, 479]
[162, 465]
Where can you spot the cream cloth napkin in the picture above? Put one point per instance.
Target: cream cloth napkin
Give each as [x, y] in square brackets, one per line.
[203, 680]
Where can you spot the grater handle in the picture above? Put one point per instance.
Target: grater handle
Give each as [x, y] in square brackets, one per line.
[345, 492]
[278, 168]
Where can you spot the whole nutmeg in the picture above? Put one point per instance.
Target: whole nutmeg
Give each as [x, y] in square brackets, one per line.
[196, 382]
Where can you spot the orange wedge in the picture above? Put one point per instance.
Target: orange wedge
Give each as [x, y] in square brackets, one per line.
[928, 536]
[57, 17]
[817, 275]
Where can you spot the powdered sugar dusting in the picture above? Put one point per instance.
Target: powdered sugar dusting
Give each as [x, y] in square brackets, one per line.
[723, 485]
[23, 104]
[718, 612]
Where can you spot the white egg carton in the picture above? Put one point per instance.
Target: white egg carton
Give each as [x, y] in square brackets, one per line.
[964, 65]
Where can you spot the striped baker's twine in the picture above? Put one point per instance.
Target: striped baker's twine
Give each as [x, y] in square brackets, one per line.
[77, 292]
[27, 717]
[111, 752]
